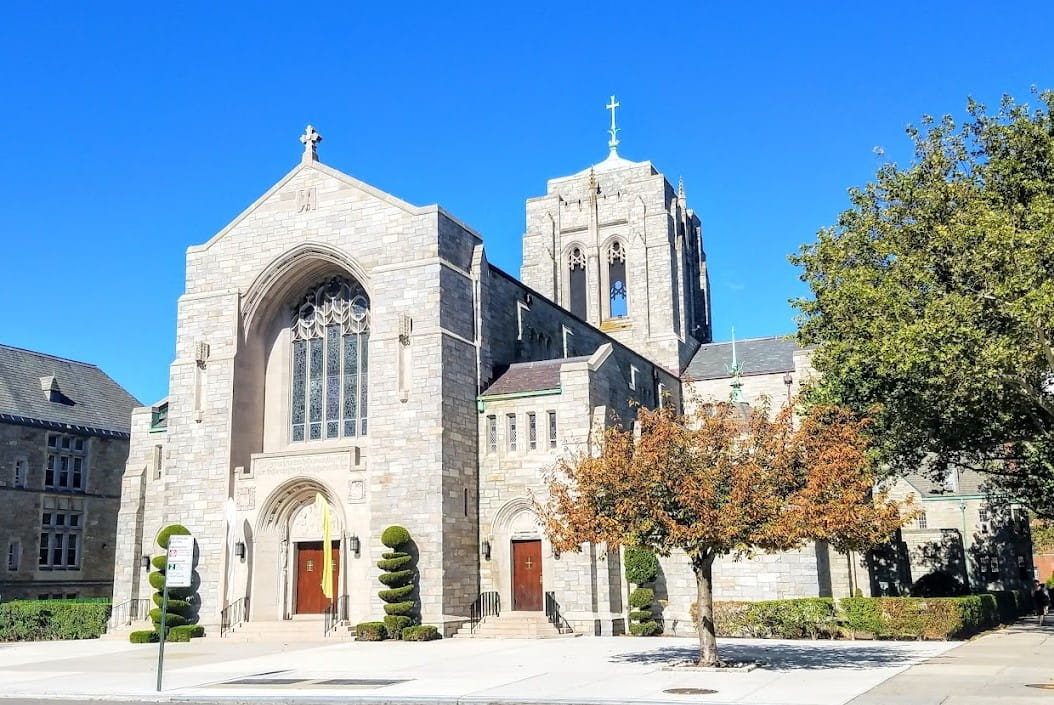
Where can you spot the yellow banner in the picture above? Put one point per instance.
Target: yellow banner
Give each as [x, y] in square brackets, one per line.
[327, 546]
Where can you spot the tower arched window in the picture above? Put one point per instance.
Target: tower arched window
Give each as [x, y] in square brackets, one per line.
[576, 261]
[618, 294]
[330, 332]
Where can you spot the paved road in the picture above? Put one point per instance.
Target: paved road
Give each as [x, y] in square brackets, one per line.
[996, 669]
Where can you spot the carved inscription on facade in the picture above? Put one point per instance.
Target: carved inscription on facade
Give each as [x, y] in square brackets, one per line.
[306, 199]
[302, 464]
[356, 491]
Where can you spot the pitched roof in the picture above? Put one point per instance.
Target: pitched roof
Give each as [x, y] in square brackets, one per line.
[755, 356]
[969, 482]
[529, 377]
[84, 396]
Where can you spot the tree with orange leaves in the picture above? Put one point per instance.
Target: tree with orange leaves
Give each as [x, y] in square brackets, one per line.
[719, 483]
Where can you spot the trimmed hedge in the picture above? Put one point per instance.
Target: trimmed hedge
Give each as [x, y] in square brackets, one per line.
[171, 530]
[874, 617]
[46, 620]
[644, 628]
[396, 594]
[422, 632]
[370, 631]
[401, 608]
[147, 636]
[394, 624]
[398, 560]
[397, 578]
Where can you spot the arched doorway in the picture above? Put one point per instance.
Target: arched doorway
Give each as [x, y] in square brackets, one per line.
[521, 554]
[290, 552]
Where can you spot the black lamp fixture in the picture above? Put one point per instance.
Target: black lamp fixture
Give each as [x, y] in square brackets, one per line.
[355, 545]
[239, 549]
[788, 379]
[484, 549]
[144, 562]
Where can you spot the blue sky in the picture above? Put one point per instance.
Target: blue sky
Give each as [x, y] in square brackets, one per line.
[130, 132]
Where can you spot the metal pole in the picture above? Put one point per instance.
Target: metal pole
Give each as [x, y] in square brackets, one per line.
[161, 645]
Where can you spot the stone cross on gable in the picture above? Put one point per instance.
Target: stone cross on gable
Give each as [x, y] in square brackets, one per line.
[613, 142]
[310, 139]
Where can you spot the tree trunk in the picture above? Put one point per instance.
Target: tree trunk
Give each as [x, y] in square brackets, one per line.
[704, 605]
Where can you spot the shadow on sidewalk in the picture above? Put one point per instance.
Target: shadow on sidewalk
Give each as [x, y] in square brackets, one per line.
[785, 657]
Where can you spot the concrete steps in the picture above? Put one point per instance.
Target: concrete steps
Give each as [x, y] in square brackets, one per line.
[514, 625]
[121, 632]
[288, 630]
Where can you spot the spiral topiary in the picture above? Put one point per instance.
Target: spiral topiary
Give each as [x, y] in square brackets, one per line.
[641, 622]
[642, 568]
[398, 579]
[179, 609]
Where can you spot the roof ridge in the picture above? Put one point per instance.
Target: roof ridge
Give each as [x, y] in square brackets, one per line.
[49, 355]
[785, 336]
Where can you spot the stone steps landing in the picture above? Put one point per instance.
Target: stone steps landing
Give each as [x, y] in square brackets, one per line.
[288, 630]
[514, 625]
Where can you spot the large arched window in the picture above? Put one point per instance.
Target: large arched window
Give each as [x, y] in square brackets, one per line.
[618, 302]
[330, 333]
[576, 261]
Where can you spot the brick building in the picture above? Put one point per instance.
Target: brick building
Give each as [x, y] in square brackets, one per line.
[64, 430]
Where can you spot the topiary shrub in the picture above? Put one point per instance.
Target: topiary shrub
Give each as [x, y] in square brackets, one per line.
[178, 633]
[642, 567]
[146, 636]
[370, 631]
[398, 577]
[640, 618]
[939, 583]
[395, 536]
[422, 632]
[180, 610]
[394, 624]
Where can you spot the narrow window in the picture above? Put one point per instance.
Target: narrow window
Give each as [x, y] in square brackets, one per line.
[158, 458]
[618, 294]
[552, 429]
[14, 555]
[577, 289]
[982, 515]
[20, 473]
[920, 523]
[66, 463]
[510, 425]
[532, 431]
[492, 434]
[466, 501]
[662, 395]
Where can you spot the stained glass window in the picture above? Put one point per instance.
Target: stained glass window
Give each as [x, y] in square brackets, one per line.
[330, 332]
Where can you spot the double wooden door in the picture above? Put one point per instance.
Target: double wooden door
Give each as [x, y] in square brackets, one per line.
[309, 566]
[527, 576]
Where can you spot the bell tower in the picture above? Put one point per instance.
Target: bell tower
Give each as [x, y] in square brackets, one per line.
[617, 246]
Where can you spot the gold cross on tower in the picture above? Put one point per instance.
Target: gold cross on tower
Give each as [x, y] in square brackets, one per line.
[613, 142]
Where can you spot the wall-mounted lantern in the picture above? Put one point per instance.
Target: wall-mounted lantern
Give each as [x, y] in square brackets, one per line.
[144, 562]
[484, 549]
[355, 545]
[239, 550]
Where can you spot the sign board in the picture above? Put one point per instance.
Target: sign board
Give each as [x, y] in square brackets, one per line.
[180, 561]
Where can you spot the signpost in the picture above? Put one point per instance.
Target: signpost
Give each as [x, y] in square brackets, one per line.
[179, 571]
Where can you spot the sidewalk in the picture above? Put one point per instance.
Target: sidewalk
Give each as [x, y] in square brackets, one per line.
[995, 668]
[595, 670]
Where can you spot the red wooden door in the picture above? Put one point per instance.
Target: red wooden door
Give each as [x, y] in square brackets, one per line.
[527, 575]
[309, 597]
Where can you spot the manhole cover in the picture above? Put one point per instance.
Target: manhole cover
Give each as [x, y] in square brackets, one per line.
[266, 681]
[357, 681]
[1041, 686]
[689, 691]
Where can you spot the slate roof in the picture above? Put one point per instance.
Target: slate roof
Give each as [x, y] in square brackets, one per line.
[529, 377]
[87, 397]
[970, 483]
[756, 356]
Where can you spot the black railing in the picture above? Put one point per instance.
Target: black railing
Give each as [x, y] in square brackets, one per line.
[336, 612]
[552, 612]
[488, 604]
[128, 611]
[234, 614]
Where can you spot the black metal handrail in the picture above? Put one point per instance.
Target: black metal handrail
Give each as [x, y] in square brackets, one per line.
[552, 611]
[336, 612]
[487, 604]
[128, 612]
[234, 614]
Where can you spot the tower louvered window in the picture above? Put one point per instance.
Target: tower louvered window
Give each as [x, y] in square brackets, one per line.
[577, 281]
[330, 333]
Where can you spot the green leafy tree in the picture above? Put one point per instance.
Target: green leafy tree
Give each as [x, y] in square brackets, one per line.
[932, 303]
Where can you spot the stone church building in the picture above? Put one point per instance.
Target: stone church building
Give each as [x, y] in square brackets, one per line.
[336, 340]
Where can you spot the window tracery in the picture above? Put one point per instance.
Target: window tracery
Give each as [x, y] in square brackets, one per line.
[330, 330]
[576, 262]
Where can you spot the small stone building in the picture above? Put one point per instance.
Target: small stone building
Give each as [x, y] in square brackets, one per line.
[64, 430]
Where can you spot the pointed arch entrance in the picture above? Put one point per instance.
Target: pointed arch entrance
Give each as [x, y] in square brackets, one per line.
[290, 551]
